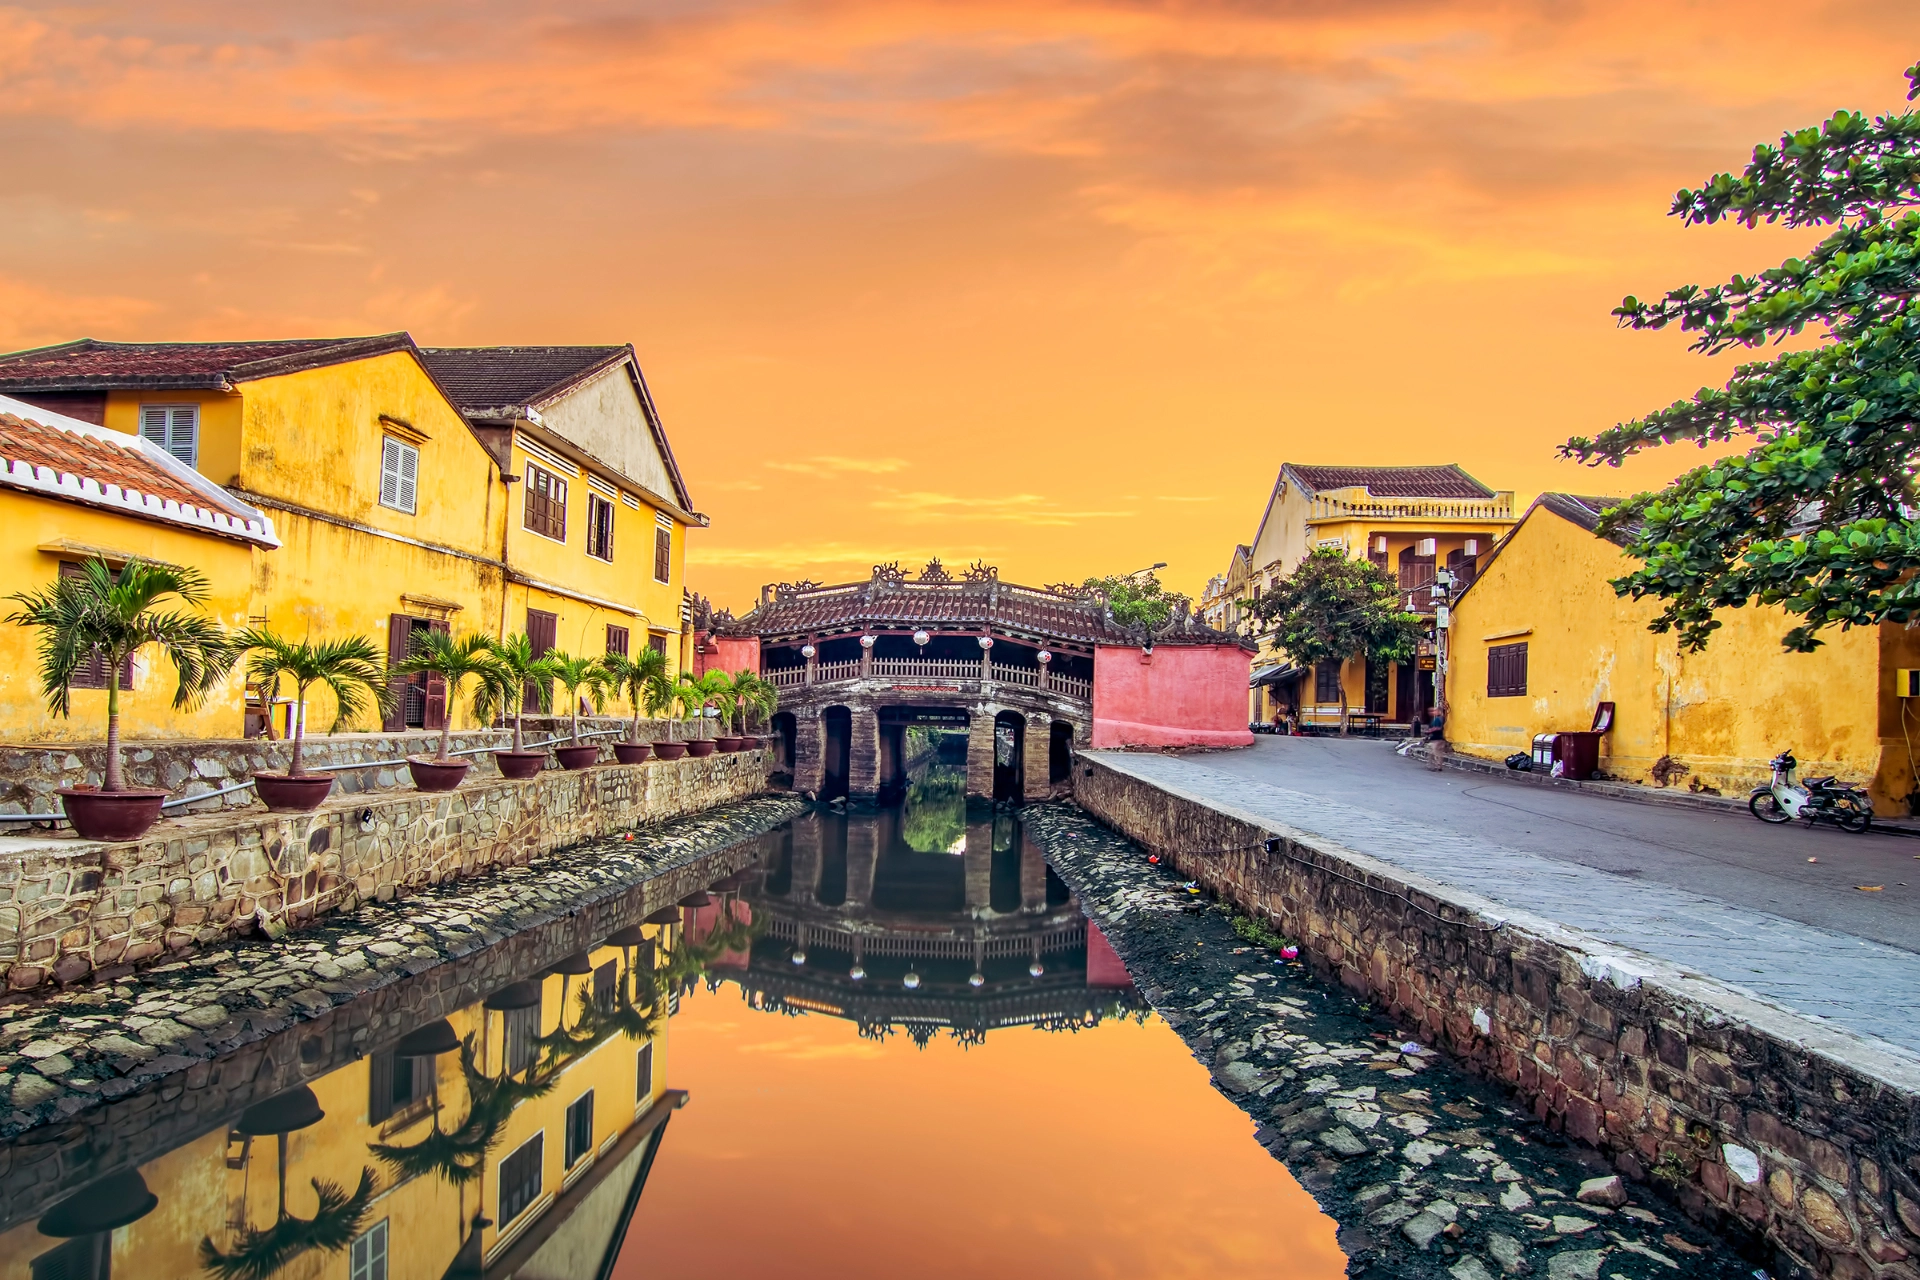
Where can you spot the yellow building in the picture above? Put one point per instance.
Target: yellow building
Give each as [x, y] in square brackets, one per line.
[1540, 640]
[556, 1126]
[399, 502]
[1411, 521]
[72, 491]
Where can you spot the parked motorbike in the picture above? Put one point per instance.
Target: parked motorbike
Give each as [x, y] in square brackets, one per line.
[1815, 799]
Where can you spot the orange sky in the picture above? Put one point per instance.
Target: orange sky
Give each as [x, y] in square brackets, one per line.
[1031, 1154]
[1056, 284]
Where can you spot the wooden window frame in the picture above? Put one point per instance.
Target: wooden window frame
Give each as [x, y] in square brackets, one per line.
[579, 1129]
[370, 1262]
[94, 676]
[657, 643]
[520, 1038]
[526, 1191]
[543, 503]
[643, 1073]
[168, 430]
[1325, 673]
[599, 527]
[1507, 670]
[662, 553]
[394, 455]
[619, 639]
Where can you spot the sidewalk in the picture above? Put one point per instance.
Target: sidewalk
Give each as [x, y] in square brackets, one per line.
[1800, 954]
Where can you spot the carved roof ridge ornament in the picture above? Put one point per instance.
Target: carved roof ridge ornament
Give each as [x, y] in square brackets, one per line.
[791, 590]
[936, 572]
[888, 574]
[981, 571]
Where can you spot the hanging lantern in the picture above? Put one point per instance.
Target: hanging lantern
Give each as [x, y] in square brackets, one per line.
[978, 980]
[866, 642]
[911, 981]
[799, 956]
[858, 971]
[921, 637]
[986, 642]
[807, 651]
[1036, 969]
[1045, 657]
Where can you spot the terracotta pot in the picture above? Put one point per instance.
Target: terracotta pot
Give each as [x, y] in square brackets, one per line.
[670, 750]
[732, 744]
[632, 752]
[111, 815]
[435, 775]
[284, 793]
[702, 747]
[577, 757]
[520, 764]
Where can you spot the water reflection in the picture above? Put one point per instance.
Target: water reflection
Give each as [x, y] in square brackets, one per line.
[510, 1139]
[926, 918]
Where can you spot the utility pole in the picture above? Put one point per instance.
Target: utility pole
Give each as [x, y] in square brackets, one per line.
[1442, 629]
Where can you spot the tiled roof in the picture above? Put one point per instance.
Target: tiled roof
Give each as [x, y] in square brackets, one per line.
[1447, 481]
[513, 377]
[1585, 510]
[65, 458]
[91, 364]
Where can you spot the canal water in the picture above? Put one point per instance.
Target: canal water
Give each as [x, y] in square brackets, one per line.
[889, 1044]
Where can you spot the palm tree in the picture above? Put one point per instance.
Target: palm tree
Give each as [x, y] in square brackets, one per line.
[516, 671]
[712, 689]
[455, 662]
[663, 693]
[103, 616]
[751, 693]
[350, 667]
[632, 677]
[575, 674]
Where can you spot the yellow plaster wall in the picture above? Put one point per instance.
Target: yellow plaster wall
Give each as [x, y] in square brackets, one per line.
[147, 711]
[1722, 713]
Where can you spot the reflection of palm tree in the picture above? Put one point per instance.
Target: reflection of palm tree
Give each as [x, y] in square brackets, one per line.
[459, 1154]
[258, 1254]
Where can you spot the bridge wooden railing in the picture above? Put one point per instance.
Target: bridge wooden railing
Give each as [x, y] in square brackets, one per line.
[932, 669]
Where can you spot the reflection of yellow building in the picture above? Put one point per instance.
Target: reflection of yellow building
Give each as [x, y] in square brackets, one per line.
[72, 491]
[407, 495]
[524, 1159]
[1541, 639]
[1410, 521]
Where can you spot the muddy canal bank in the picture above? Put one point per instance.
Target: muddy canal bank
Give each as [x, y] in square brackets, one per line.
[1428, 1171]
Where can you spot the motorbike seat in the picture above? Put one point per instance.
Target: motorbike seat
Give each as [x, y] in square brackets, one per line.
[1821, 782]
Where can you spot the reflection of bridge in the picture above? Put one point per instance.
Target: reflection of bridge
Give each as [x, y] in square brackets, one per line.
[859, 925]
[857, 663]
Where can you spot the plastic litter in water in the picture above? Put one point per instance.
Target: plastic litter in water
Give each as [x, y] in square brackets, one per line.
[1289, 953]
[1411, 1048]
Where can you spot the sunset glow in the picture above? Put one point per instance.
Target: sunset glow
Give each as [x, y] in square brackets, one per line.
[1057, 285]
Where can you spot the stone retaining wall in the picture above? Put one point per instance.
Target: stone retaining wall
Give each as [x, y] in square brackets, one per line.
[32, 774]
[71, 907]
[1764, 1123]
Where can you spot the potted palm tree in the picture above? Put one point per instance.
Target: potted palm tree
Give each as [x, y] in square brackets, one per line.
[699, 695]
[575, 674]
[631, 677]
[751, 695]
[455, 661]
[726, 703]
[108, 617]
[516, 673]
[664, 694]
[349, 667]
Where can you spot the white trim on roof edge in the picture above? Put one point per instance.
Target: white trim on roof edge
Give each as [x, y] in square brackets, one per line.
[253, 526]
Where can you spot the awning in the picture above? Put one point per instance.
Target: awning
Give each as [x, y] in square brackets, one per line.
[1273, 674]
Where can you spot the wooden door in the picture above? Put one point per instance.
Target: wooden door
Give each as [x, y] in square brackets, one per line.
[399, 636]
[436, 713]
[542, 628]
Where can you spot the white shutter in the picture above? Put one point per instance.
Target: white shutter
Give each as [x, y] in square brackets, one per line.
[153, 425]
[175, 428]
[409, 475]
[389, 473]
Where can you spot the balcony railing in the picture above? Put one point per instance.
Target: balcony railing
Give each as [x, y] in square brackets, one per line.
[1497, 508]
[1046, 679]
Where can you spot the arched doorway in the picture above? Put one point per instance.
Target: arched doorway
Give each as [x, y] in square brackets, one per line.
[784, 729]
[1059, 752]
[836, 751]
[1009, 748]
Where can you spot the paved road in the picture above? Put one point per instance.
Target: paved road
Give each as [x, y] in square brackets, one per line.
[1722, 895]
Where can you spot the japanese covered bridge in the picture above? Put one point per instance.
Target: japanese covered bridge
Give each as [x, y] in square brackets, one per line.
[1030, 674]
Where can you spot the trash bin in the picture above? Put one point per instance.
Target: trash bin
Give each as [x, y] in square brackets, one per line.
[1545, 752]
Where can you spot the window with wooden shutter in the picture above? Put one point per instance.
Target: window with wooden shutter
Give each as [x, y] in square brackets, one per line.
[399, 474]
[399, 636]
[643, 1074]
[1507, 670]
[395, 1083]
[599, 527]
[658, 644]
[175, 428]
[522, 1028]
[1416, 570]
[544, 504]
[617, 639]
[662, 554]
[579, 1128]
[1326, 682]
[94, 674]
[433, 713]
[520, 1178]
[542, 630]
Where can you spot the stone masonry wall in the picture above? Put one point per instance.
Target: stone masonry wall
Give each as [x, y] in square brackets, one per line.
[32, 774]
[71, 907]
[1763, 1123]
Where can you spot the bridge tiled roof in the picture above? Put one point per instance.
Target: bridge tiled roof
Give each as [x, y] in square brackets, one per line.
[889, 602]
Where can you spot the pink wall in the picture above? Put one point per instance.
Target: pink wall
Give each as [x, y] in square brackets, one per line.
[1179, 696]
[1105, 971]
[726, 653]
